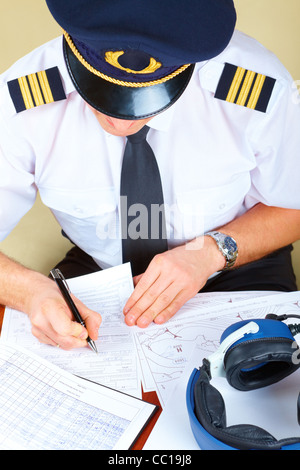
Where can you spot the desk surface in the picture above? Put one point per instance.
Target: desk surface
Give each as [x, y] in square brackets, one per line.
[149, 396]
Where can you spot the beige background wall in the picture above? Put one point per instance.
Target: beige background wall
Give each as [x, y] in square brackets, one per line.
[25, 24]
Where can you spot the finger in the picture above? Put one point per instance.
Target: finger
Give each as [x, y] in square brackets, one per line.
[55, 322]
[144, 282]
[136, 279]
[41, 337]
[172, 308]
[166, 305]
[148, 302]
[63, 325]
[64, 342]
[92, 321]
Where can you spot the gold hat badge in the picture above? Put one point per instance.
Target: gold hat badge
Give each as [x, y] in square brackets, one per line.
[113, 59]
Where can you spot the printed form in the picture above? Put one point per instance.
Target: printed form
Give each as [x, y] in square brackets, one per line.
[45, 408]
[116, 364]
[128, 356]
[273, 408]
[165, 350]
[158, 356]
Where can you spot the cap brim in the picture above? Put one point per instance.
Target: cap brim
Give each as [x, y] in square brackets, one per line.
[124, 102]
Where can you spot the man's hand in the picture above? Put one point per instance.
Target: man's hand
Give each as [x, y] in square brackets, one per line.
[171, 279]
[53, 323]
[174, 277]
[35, 294]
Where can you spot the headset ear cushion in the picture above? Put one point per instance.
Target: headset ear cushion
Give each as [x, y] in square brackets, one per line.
[259, 362]
[209, 403]
[209, 408]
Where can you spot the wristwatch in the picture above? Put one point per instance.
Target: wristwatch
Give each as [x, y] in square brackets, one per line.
[228, 247]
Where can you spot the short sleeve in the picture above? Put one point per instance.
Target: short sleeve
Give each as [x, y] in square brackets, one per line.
[276, 146]
[17, 185]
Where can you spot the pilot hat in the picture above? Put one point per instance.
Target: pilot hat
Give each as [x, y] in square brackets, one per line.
[132, 59]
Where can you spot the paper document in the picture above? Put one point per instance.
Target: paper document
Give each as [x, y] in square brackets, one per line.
[116, 364]
[273, 408]
[45, 408]
[164, 350]
[128, 356]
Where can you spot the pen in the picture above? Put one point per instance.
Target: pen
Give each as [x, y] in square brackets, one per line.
[65, 291]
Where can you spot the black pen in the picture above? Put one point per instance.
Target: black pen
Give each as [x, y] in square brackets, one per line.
[65, 291]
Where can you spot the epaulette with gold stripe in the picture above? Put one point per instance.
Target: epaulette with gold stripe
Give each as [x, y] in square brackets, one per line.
[245, 88]
[36, 89]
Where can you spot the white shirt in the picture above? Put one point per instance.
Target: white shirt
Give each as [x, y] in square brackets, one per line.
[216, 159]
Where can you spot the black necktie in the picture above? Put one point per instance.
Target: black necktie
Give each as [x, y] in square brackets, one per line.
[142, 210]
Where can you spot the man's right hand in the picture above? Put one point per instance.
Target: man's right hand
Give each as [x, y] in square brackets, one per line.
[37, 295]
[53, 323]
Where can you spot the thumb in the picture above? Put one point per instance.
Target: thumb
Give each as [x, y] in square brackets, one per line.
[64, 325]
[92, 320]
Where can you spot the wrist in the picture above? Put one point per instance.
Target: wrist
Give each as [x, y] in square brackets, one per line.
[209, 258]
[39, 287]
[18, 284]
[215, 256]
[227, 247]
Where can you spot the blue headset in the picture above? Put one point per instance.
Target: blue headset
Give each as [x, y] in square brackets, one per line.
[252, 355]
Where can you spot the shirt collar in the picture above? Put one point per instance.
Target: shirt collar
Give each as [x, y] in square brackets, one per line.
[162, 121]
[69, 86]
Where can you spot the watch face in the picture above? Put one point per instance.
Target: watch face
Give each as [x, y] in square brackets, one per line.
[230, 245]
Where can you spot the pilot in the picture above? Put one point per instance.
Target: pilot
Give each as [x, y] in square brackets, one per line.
[157, 134]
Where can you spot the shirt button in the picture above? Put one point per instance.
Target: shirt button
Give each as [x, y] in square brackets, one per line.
[222, 206]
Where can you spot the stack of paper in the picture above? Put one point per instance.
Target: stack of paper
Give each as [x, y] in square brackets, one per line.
[160, 357]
